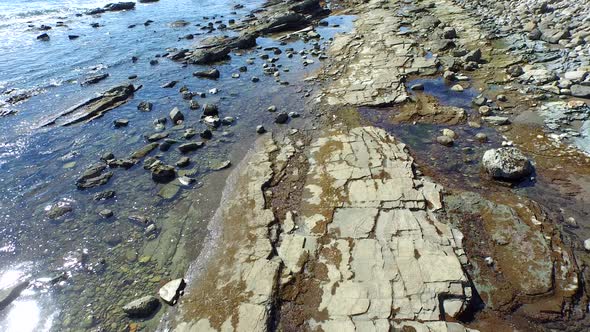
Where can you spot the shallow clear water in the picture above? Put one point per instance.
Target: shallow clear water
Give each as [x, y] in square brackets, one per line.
[83, 267]
[459, 163]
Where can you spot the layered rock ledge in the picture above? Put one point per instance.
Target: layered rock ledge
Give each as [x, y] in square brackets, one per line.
[362, 250]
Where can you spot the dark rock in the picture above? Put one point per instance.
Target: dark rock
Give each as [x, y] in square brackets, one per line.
[176, 115]
[58, 210]
[285, 22]
[206, 134]
[209, 56]
[244, 42]
[142, 307]
[307, 7]
[535, 34]
[43, 37]
[260, 129]
[178, 55]
[162, 173]
[213, 73]
[191, 146]
[120, 6]
[210, 110]
[93, 176]
[72, 37]
[144, 151]
[169, 85]
[94, 79]
[417, 87]
[124, 163]
[157, 136]
[145, 106]
[449, 33]
[121, 123]
[104, 195]
[194, 105]
[473, 56]
[282, 118]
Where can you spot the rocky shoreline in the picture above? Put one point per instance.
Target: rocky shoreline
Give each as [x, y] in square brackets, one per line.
[437, 178]
[345, 232]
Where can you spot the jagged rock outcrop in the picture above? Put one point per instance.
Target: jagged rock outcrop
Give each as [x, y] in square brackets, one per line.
[95, 107]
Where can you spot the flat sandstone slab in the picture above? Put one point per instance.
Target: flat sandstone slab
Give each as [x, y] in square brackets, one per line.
[364, 251]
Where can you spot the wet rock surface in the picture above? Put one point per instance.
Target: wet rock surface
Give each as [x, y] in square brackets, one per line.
[95, 107]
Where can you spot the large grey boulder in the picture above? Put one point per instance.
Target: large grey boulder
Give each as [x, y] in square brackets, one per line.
[507, 163]
[142, 307]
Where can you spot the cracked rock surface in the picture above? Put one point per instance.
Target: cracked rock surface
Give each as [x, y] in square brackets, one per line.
[364, 250]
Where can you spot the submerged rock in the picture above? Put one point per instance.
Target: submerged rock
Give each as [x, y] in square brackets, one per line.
[162, 173]
[144, 151]
[94, 79]
[507, 163]
[142, 307]
[188, 147]
[213, 73]
[93, 176]
[58, 210]
[145, 106]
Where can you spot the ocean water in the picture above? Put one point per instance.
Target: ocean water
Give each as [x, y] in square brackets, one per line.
[83, 268]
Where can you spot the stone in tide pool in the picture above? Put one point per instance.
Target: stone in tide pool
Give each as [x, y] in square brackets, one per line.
[507, 164]
[142, 307]
[170, 292]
